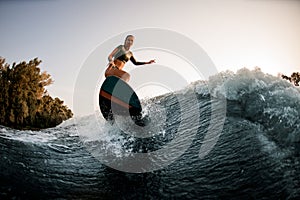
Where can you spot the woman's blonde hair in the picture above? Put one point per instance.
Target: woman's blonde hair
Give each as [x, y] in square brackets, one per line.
[128, 37]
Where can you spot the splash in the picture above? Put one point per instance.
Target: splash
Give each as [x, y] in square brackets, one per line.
[265, 99]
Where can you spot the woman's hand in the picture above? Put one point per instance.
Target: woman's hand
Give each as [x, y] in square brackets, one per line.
[151, 61]
[111, 63]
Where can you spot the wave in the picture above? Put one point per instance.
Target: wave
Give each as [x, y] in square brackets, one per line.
[263, 99]
[254, 156]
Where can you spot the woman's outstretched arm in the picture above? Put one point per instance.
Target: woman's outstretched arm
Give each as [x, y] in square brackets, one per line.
[133, 60]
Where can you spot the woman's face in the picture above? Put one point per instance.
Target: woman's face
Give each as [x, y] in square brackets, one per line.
[129, 41]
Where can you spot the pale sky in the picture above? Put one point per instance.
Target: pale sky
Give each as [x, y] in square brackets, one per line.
[234, 33]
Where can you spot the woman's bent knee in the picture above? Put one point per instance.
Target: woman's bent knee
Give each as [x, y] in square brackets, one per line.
[126, 77]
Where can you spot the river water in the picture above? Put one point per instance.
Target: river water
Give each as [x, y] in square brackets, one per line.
[235, 136]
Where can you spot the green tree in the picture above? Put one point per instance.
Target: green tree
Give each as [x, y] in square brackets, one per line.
[294, 78]
[24, 102]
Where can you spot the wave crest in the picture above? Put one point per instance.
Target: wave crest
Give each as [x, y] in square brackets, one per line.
[264, 99]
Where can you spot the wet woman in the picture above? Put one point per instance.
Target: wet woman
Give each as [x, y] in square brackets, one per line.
[119, 56]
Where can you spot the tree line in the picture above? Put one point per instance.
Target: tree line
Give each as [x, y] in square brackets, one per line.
[294, 78]
[24, 101]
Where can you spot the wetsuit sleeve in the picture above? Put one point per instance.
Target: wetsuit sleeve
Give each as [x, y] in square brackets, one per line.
[133, 60]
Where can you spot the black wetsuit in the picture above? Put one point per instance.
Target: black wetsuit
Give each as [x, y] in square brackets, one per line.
[124, 56]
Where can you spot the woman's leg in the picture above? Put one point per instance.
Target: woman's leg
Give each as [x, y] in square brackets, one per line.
[111, 71]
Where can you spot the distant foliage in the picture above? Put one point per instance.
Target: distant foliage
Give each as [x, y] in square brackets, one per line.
[24, 102]
[294, 78]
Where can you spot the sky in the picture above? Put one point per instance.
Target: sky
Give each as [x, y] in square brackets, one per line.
[64, 33]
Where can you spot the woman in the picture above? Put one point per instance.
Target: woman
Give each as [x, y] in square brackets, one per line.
[119, 56]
